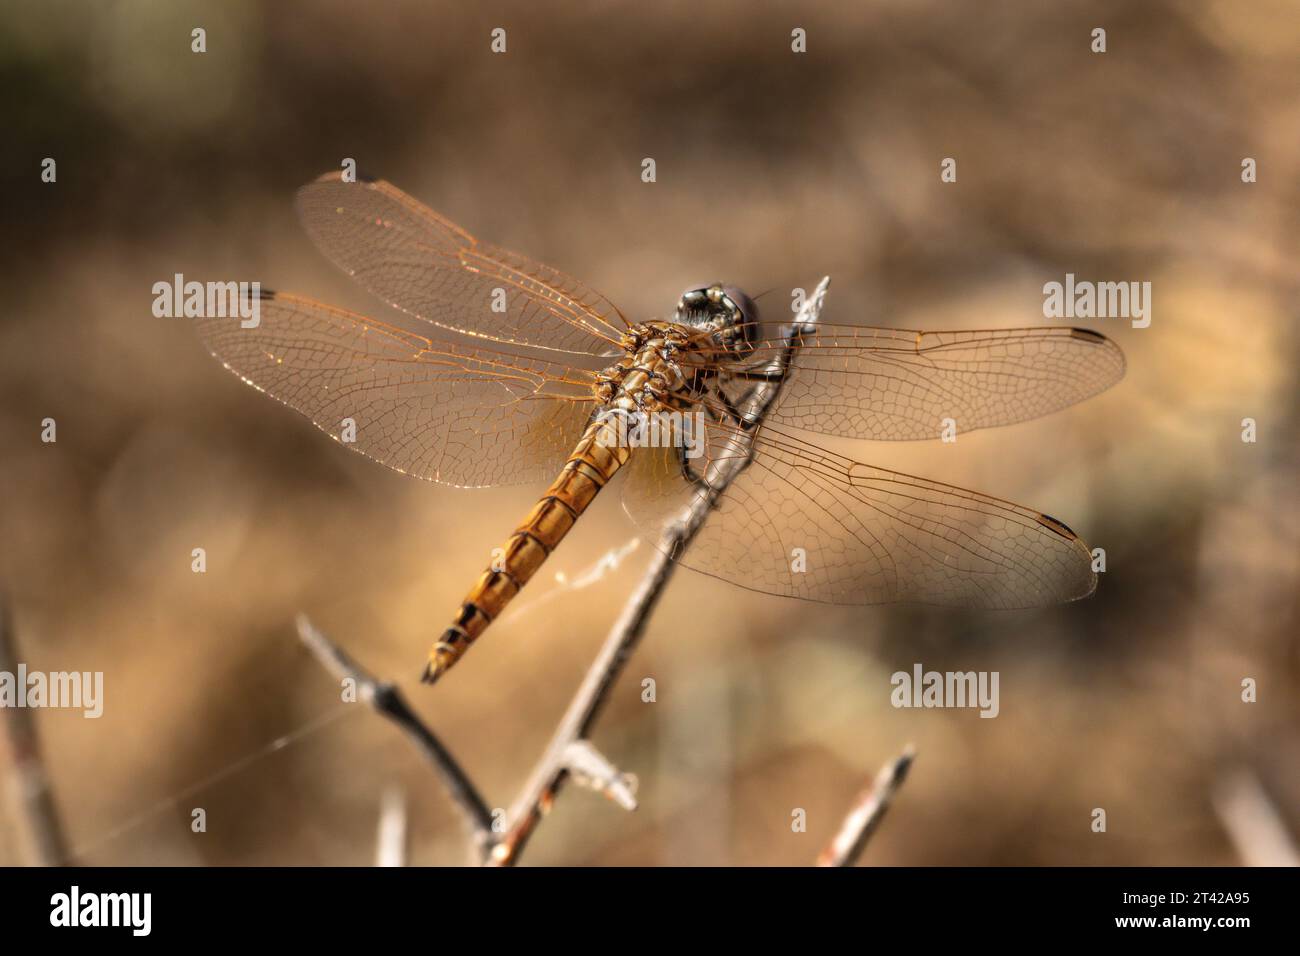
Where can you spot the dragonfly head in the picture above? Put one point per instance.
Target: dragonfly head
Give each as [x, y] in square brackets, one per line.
[727, 314]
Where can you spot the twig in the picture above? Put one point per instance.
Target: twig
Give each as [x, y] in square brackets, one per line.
[41, 831]
[867, 812]
[390, 846]
[548, 775]
[385, 698]
[1253, 821]
[539, 791]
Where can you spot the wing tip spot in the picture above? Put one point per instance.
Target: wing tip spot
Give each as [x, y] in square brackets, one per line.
[1088, 335]
[1060, 527]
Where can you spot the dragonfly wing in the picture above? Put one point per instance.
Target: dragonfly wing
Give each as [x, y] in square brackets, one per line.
[803, 522]
[430, 268]
[894, 384]
[456, 412]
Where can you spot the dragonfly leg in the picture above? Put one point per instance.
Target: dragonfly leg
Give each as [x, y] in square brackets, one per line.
[692, 477]
[734, 415]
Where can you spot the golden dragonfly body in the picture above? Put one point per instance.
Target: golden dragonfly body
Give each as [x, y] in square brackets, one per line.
[638, 385]
[510, 380]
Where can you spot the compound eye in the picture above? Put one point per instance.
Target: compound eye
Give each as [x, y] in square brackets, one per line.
[744, 304]
[695, 295]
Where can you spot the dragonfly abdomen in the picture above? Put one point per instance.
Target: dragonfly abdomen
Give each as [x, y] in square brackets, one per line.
[596, 459]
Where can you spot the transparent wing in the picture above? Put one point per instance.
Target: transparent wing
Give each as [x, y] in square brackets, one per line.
[461, 412]
[892, 384]
[803, 522]
[422, 264]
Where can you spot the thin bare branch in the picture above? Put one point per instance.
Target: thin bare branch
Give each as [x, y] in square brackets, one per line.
[385, 698]
[41, 833]
[390, 845]
[867, 812]
[548, 775]
[1253, 821]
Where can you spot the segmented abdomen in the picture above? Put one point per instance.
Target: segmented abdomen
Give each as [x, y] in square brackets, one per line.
[596, 459]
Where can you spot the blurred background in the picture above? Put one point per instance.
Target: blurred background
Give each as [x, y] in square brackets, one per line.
[773, 169]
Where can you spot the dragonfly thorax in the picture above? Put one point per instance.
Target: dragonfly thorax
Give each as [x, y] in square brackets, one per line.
[647, 372]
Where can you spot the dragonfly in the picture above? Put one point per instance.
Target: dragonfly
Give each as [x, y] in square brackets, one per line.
[502, 370]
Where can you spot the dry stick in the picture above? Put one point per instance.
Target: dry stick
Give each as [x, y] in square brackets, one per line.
[866, 813]
[539, 791]
[390, 845]
[549, 774]
[1253, 821]
[385, 698]
[41, 832]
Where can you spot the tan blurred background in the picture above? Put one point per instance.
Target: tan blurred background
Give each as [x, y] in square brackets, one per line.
[773, 169]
